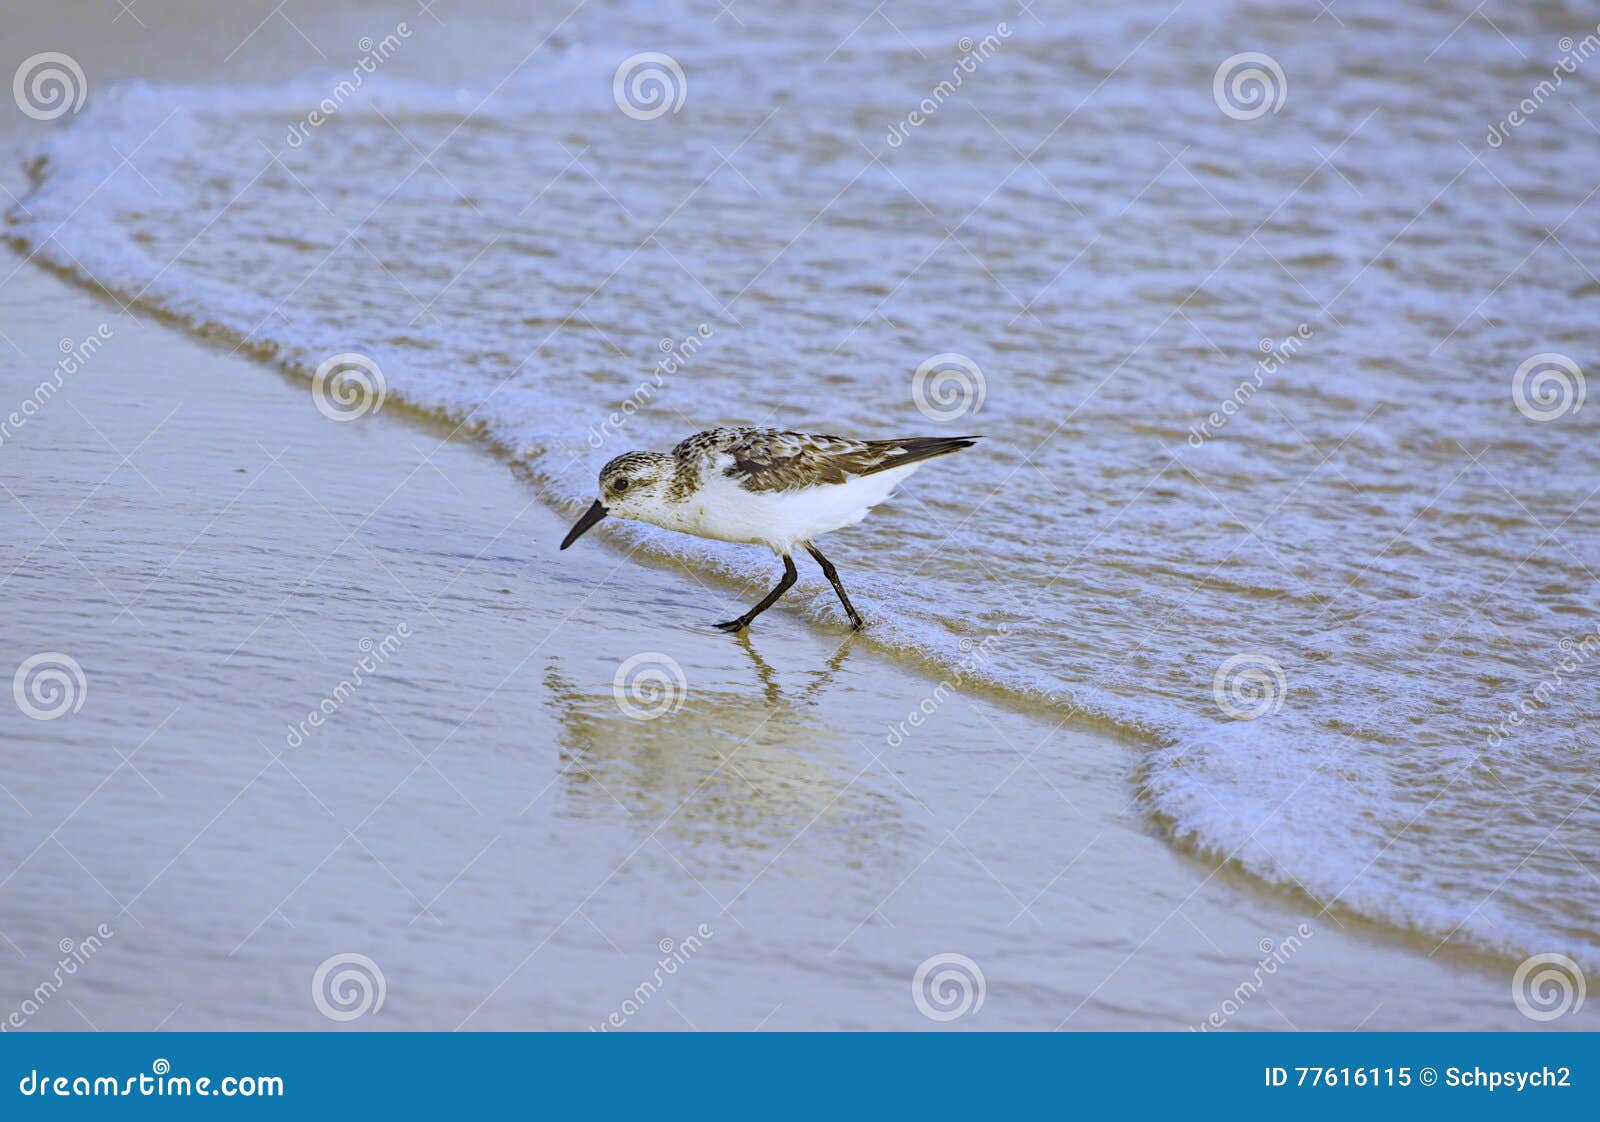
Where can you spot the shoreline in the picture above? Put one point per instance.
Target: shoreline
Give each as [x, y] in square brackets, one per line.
[1111, 881]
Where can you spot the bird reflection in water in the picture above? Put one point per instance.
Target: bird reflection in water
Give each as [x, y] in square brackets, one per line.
[751, 763]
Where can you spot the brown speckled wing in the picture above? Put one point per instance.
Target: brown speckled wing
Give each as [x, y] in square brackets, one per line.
[776, 460]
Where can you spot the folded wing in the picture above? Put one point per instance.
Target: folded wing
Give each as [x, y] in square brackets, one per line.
[777, 460]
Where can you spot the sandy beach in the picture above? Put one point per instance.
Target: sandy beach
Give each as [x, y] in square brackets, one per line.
[337, 739]
[482, 821]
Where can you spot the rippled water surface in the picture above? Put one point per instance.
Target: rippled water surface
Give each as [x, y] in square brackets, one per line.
[1256, 488]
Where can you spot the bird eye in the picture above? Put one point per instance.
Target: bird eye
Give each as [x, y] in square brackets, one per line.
[620, 485]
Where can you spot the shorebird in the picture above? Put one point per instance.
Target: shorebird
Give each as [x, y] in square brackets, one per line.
[763, 487]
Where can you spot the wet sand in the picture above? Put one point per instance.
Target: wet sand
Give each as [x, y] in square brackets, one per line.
[481, 818]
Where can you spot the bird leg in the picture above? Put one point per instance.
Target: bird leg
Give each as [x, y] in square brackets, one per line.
[856, 622]
[771, 598]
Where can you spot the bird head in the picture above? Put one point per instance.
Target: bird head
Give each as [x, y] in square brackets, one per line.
[633, 486]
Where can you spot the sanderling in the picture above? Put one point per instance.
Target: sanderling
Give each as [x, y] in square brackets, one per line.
[763, 487]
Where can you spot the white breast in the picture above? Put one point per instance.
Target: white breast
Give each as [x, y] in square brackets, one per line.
[781, 520]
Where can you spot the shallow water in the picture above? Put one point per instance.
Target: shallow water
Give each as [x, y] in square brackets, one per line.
[482, 819]
[1318, 609]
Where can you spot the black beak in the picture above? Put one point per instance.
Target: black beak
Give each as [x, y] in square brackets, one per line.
[581, 527]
